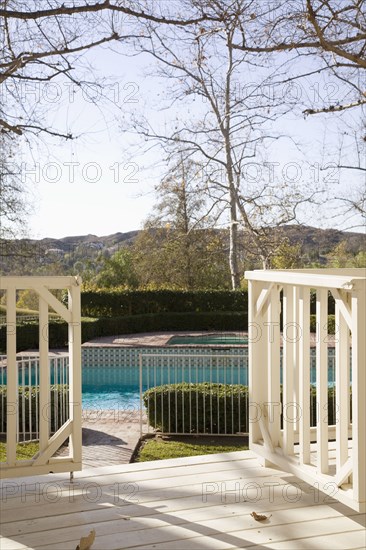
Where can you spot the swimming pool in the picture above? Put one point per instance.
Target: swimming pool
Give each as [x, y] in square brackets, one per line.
[113, 376]
[209, 339]
[110, 375]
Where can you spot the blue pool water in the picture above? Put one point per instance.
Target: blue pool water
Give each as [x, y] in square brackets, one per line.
[110, 376]
[118, 387]
[210, 339]
[118, 396]
[111, 397]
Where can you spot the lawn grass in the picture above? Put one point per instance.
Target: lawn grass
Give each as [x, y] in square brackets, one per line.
[25, 451]
[161, 449]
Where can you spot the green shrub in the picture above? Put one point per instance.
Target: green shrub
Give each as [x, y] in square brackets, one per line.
[28, 334]
[117, 302]
[108, 326]
[28, 402]
[331, 324]
[331, 303]
[331, 407]
[198, 408]
[168, 408]
[120, 302]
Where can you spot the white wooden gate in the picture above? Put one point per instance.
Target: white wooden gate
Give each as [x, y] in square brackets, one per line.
[331, 458]
[45, 461]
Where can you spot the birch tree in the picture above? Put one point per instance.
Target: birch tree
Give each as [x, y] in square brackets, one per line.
[223, 120]
[330, 32]
[12, 191]
[329, 35]
[42, 57]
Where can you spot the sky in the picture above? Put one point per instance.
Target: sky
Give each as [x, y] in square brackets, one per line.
[103, 182]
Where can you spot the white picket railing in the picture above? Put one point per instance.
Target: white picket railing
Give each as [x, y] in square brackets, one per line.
[332, 457]
[45, 461]
[28, 411]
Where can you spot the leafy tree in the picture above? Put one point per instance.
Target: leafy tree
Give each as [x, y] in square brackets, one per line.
[161, 260]
[28, 299]
[118, 270]
[287, 256]
[360, 259]
[178, 247]
[340, 257]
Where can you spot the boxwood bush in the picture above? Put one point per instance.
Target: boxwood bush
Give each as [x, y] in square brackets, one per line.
[168, 408]
[59, 397]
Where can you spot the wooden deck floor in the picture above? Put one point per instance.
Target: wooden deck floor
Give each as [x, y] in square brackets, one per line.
[191, 503]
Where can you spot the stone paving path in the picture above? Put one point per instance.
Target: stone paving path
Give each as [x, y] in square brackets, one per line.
[108, 438]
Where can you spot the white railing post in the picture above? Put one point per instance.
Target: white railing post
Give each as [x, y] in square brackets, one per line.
[12, 377]
[258, 364]
[45, 460]
[289, 410]
[44, 410]
[358, 389]
[342, 386]
[304, 374]
[322, 379]
[75, 412]
[274, 377]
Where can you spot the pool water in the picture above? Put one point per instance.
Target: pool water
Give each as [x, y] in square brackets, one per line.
[111, 397]
[110, 377]
[210, 339]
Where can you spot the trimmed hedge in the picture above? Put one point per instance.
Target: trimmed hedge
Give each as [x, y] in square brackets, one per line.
[27, 334]
[331, 324]
[168, 408]
[59, 395]
[116, 302]
[331, 303]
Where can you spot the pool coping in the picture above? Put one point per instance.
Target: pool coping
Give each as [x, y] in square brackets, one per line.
[161, 339]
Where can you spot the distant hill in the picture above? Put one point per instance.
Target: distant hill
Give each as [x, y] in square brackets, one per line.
[24, 256]
[71, 244]
[66, 251]
[323, 240]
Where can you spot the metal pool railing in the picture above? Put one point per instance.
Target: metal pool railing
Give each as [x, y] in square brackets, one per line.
[202, 394]
[181, 407]
[27, 408]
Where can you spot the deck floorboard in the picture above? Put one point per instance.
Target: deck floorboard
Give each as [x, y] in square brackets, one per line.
[195, 503]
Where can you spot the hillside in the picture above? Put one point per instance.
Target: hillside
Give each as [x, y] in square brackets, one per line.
[25, 256]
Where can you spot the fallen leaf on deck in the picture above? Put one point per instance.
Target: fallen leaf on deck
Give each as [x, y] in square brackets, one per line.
[86, 542]
[259, 517]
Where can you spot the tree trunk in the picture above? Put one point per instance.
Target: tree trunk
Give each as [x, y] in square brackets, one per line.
[233, 253]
